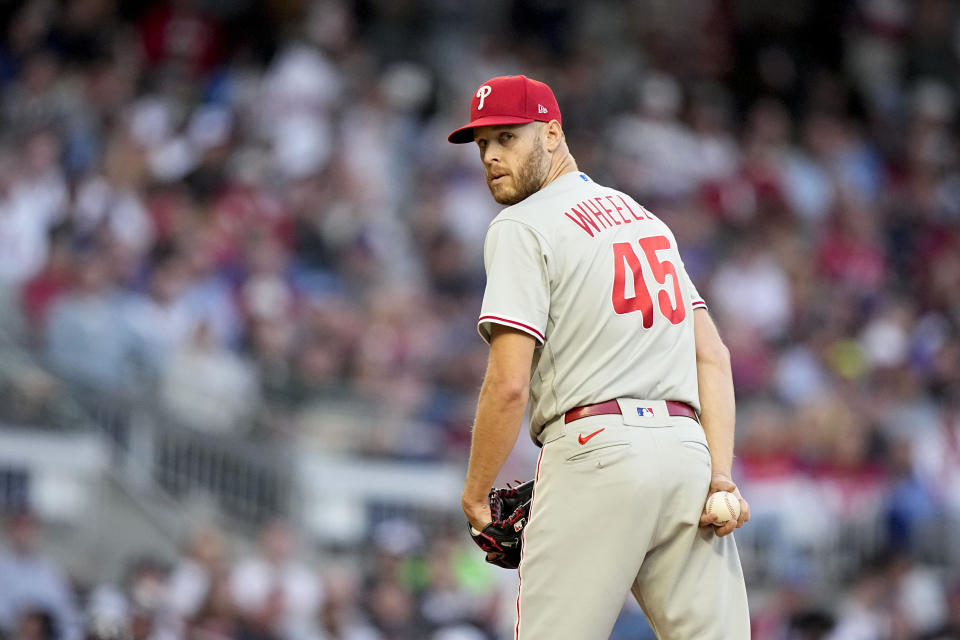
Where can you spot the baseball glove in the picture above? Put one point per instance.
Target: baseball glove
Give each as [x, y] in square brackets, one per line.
[509, 510]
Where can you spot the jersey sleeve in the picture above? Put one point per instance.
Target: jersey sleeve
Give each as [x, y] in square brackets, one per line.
[518, 284]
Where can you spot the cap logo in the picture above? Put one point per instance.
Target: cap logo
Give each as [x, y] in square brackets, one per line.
[541, 108]
[482, 93]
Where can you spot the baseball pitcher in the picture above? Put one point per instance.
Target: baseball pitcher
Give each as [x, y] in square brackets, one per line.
[591, 317]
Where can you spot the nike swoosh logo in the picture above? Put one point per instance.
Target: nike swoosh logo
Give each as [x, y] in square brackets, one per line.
[584, 439]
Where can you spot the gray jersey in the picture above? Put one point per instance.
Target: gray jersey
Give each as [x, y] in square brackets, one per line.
[598, 281]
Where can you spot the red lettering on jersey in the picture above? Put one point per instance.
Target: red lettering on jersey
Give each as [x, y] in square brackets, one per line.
[580, 207]
[624, 259]
[598, 212]
[583, 221]
[585, 206]
[607, 211]
[619, 210]
[629, 209]
[674, 311]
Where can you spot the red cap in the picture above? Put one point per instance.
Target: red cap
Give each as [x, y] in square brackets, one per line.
[508, 100]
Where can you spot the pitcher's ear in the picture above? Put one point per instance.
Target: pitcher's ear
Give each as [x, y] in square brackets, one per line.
[552, 135]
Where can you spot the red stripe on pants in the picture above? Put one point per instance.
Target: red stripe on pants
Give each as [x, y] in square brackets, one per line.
[523, 546]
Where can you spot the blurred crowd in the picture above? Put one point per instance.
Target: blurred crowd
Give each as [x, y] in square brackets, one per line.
[403, 588]
[250, 208]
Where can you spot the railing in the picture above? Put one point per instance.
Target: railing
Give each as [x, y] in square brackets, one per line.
[154, 457]
[248, 481]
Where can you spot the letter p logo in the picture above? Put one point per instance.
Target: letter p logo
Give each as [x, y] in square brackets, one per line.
[482, 93]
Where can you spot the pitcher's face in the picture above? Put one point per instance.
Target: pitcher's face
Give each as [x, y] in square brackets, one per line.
[515, 160]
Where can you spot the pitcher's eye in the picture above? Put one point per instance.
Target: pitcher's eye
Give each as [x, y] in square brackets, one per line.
[505, 137]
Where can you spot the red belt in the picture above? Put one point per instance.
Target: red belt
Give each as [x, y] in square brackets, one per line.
[610, 407]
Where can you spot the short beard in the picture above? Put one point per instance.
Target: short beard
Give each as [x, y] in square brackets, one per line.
[529, 177]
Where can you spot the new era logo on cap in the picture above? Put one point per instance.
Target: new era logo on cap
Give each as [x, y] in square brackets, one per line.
[508, 100]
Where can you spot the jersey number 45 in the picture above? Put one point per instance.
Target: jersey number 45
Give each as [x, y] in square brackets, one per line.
[625, 260]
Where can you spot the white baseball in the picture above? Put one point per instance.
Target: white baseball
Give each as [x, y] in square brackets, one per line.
[724, 505]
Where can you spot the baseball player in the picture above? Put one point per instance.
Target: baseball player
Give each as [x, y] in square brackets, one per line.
[591, 317]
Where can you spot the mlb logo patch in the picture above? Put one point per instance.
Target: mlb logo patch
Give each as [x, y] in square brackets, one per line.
[645, 412]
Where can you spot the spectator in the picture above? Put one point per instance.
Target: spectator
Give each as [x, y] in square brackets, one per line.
[266, 293]
[863, 615]
[937, 457]
[393, 612]
[146, 583]
[216, 616]
[340, 614]
[86, 339]
[205, 561]
[752, 291]
[208, 387]
[41, 97]
[912, 510]
[658, 152]
[951, 629]
[158, 320]
[107, 613]
[275, 591]
[209, 294]
[46, 287]
[919, 598]
[36, 625]
[32, 201]
[35, 596]
[112, 201]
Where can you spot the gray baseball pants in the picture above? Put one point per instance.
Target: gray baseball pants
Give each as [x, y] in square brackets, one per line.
[620, 512]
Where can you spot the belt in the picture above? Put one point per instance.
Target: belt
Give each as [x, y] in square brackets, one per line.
[610, 407]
